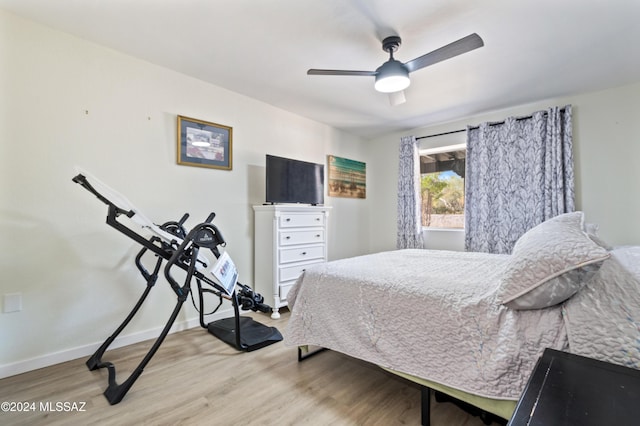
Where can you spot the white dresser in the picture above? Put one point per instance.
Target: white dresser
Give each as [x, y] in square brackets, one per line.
[288, 238]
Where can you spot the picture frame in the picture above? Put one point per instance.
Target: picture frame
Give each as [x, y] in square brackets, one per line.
[204, 144]
[347, 178]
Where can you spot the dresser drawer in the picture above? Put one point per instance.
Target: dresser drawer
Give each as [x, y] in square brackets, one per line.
[290, 273]
[288, 237]
[291, 220]
[284, 289]
[299, 254]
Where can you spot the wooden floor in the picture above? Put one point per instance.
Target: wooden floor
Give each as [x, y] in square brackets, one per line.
[196, 379]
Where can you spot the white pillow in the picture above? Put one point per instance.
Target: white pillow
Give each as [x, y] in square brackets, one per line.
[550, 263]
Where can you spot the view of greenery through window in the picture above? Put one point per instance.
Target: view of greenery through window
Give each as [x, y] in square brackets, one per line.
[443, 189]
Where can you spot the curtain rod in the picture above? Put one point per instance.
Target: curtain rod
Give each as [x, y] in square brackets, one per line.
[497, 123]
[441, 134]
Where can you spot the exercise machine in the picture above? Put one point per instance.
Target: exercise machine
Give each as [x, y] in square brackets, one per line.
[190, 252]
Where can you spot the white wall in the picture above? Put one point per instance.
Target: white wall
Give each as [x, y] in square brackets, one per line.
[68, 102]
[606, 152]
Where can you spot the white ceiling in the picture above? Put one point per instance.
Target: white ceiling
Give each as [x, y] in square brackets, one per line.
[534, 50]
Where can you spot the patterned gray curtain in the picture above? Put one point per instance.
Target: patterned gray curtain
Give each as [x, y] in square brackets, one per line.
[519, 174]
[409, 222]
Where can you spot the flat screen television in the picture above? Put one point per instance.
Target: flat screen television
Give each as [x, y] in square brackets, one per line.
[293, 181]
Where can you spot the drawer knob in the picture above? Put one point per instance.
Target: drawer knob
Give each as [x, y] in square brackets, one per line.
[304, 252]
[317, 235]
[288, 219]
[318, 219]
[288, 237]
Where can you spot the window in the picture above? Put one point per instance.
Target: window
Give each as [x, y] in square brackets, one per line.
[442, 181]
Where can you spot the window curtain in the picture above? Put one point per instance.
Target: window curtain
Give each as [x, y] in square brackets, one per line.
[519, 174]
[409, 222]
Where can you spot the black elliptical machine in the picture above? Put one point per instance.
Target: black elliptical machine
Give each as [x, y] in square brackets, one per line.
[171, 243]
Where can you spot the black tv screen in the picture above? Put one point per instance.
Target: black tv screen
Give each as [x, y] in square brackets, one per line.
[294, 181]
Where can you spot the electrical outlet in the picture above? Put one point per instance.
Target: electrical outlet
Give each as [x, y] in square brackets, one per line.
[12, 302]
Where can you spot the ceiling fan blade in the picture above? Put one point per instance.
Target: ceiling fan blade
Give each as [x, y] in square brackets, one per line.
[340, 72]
[397, 98]
[464, 45]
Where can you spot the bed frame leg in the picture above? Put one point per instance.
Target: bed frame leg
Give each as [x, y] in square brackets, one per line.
[425, 404]
[305, 352]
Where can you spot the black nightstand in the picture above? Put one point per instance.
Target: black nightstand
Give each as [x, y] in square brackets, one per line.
[567, 389]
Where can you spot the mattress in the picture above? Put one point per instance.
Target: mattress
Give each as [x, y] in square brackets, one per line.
[429, 314]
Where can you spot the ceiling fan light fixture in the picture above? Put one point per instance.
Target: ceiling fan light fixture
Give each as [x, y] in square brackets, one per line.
[391, 77]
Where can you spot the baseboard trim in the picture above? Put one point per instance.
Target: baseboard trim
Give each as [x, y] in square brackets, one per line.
[46, 360]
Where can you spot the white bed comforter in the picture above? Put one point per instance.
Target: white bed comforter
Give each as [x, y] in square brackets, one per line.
[431, 314]
[603, 318]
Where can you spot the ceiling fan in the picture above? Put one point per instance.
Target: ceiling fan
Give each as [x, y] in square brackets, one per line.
[392, 77]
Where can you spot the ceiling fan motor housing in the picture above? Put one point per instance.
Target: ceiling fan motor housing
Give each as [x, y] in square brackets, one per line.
[391, 77]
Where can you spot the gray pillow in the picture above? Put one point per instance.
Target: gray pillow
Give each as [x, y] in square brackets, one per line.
[550, 263]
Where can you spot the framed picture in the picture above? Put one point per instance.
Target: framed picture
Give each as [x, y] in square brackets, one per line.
[204, 144]
[347, 178]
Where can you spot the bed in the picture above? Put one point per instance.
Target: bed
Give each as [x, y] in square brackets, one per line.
[472, 325]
